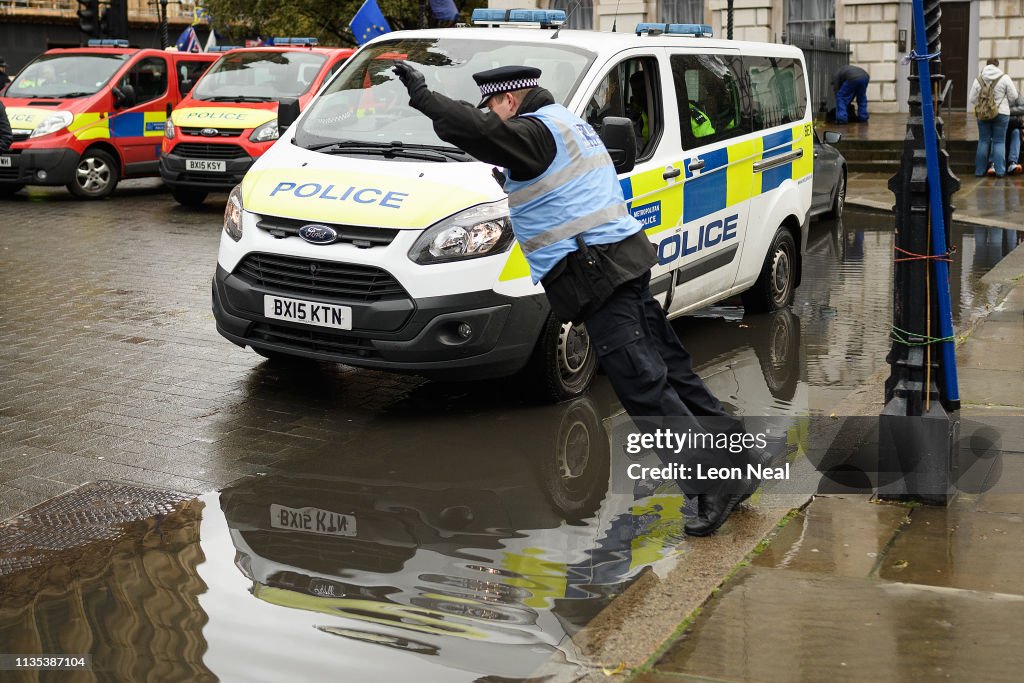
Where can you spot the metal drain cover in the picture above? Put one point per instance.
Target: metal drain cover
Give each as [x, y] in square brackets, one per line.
[97, 511]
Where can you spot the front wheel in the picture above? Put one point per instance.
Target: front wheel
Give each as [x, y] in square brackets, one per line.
[189, 197]
[776, 285]
[563, 362]
[96, 175]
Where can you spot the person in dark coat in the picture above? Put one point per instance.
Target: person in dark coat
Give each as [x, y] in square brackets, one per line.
[849, 83]
[1014, 132]
[6, 136]
[581, 242]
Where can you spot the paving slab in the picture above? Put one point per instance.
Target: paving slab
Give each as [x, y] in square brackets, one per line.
[781, 625]
[835, 535]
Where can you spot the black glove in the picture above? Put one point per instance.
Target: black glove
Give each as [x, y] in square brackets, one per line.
[412, 79]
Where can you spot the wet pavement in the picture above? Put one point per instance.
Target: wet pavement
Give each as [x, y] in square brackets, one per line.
[387, 525]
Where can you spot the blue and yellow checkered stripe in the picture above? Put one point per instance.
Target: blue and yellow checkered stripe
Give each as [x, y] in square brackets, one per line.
[99, 125]
[727, 179]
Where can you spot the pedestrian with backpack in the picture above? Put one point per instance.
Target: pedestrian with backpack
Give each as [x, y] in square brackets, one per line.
[991, 94]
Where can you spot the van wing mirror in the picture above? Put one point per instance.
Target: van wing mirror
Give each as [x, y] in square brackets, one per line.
[832, 137]
[619, 137]
[287, 112]
[124, 96]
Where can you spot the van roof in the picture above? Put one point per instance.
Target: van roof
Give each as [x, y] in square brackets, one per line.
[291, 48]
[602, 42]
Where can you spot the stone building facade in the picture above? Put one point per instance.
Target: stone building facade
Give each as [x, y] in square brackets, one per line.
[880, 33]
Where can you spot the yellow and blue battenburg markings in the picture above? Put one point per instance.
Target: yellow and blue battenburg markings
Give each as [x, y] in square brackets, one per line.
[727, 179]
[99, 125]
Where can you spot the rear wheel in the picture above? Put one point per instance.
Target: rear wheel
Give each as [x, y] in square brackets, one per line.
[839, 201]
[189, 197]
[776, 284]
[96, 175]
[563, 362]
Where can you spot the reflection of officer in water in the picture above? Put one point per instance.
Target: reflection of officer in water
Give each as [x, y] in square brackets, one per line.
[570, 218]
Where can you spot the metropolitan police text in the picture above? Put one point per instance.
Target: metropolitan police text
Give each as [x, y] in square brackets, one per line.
[668, 440]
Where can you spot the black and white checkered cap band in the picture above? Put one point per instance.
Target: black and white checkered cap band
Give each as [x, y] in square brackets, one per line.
[508, 86]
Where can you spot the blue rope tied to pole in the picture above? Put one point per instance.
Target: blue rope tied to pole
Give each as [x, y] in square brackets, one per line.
[914, 57]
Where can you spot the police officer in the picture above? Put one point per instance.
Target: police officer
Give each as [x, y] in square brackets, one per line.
[580, 241]
[4, 78]
[700, 122]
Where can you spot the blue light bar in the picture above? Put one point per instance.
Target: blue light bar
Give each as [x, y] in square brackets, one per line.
[542, 17]
[107, 42]
[696, 30]
[291, 42]
[223, 48]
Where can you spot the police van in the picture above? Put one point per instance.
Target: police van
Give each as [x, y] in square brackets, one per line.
[361, 237]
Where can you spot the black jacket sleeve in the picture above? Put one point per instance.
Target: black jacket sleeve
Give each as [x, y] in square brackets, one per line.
[522, 145]
[6, 136]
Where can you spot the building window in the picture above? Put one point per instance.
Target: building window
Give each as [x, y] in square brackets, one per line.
[811, 19]
[580, 14]
[682, 12]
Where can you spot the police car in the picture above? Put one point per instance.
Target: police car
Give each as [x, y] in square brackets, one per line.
[360, 237]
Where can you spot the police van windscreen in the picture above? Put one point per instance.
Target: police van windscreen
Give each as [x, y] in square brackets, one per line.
[365, 102]
[260, 75]
[65, 75]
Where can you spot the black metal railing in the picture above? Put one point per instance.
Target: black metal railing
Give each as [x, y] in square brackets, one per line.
[823, 57]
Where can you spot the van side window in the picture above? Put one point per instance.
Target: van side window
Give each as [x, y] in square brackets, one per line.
[148, 79]
[778, 90]
[712, 97]
[631, 89]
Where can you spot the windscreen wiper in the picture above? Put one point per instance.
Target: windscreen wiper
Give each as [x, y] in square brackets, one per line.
[386, 149]
[236, 98]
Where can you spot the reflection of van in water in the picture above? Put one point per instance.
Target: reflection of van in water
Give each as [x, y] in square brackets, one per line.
[362, 238]
[88, 117]
[488, 556]
[230, 117]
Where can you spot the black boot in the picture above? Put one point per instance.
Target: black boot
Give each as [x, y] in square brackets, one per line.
[714, 508]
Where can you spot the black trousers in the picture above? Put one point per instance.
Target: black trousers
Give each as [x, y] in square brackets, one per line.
[651, 372]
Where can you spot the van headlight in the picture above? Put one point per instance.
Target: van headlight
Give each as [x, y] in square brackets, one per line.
[233, 214]
[265, 133]
[57, 121]
[169, 129]
[480, 231]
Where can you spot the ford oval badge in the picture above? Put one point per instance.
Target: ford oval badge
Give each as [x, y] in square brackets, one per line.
[318, 234]
[209, 132]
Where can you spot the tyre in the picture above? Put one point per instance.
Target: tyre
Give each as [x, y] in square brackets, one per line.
[573, 472]
[8, 189]
[96, 175]
[775, 285]
[779, 355]
[563, 363]
[839, 201]
[189, 197]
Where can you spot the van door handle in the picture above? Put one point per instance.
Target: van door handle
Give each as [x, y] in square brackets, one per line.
[695, 164]
[671, 172]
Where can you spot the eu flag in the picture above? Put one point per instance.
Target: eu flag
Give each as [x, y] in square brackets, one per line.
[368, 22]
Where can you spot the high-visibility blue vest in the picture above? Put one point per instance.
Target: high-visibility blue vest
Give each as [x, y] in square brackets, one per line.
[578, 194]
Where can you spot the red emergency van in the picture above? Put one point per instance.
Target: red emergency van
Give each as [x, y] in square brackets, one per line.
[230, 118]
[88, 117]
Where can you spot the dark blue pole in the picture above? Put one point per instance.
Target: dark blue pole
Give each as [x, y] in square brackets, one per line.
[938, 227]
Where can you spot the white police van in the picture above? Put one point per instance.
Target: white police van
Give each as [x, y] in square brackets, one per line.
[360, 237]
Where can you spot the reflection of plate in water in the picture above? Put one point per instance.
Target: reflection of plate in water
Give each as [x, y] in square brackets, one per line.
[382, 639]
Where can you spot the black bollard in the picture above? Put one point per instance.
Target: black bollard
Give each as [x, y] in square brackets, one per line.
[919, 425]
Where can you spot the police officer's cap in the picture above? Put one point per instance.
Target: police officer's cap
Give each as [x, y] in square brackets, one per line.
[505, 79]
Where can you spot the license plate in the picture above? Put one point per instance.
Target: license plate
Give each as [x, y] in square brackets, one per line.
[308, 312]
[6, 162]
[206, 165]
[312, 520]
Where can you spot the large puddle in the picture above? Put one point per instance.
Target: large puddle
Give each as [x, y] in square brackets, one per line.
[451, 535]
